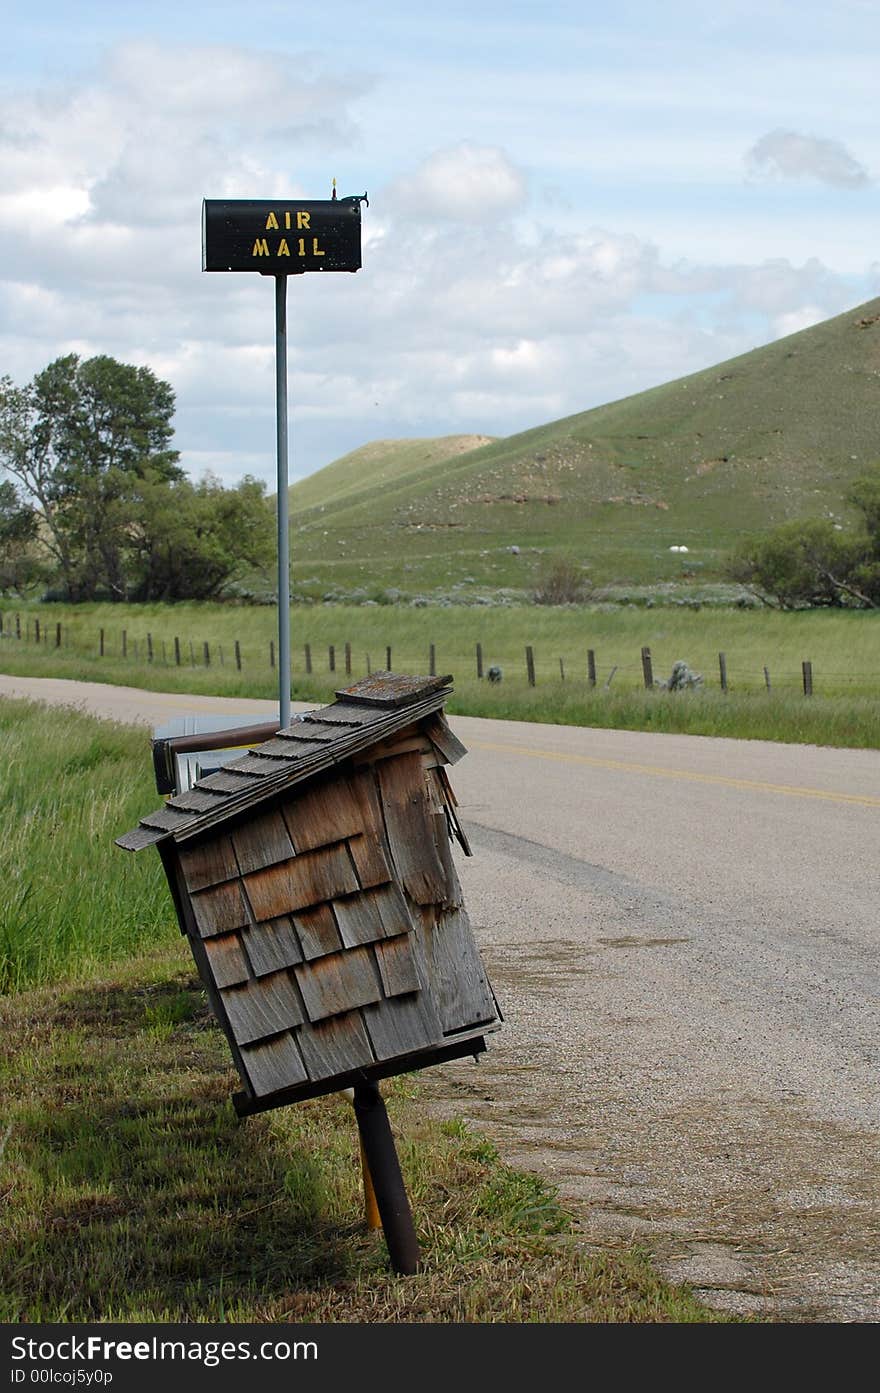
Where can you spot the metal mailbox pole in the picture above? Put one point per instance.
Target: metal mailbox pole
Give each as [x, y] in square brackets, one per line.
[384, 1168]
[280, 237]
[283, 501]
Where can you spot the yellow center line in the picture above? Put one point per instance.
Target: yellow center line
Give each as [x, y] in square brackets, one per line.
[658, 771]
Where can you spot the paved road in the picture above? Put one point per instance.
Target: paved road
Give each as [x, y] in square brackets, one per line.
[683, 936]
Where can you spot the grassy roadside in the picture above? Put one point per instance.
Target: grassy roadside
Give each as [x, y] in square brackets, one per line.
[129, 1191]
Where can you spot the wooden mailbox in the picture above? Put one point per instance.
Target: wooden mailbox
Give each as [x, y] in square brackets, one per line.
[314, 881]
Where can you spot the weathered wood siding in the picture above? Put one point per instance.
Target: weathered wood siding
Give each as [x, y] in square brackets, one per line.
[328, 920]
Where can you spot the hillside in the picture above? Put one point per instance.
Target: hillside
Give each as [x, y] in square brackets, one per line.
[774, 434]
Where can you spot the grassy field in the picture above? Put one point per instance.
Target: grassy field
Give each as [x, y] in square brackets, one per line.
[775, 434]
[129, 1190]
[842, 647]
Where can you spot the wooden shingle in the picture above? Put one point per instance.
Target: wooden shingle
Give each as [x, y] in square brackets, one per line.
[226, 957]
[402, 1026]
[219, 909]
[271, 945]
[409, 828]
[273, 1064]
[261, 841]
[317, 932]
[460, 985]
[370, 862]
[208, 863]
[335, 1046]
[397, 965]
[333, 985]
[303, 881]
[257, 1009]
[325, 813]
[358, 919]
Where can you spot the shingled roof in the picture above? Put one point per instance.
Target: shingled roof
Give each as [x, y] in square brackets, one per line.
[314, 882]
[370, 711]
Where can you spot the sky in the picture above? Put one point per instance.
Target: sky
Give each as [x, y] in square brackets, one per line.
[568, 202]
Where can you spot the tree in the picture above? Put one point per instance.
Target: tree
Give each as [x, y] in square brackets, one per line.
[20, 564]
[189, 541]
[815, 563]
[78, 438]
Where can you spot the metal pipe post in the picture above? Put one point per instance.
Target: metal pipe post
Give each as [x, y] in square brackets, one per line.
[282, 508]
[384, 1168]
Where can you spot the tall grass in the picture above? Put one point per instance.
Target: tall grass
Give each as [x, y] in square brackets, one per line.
[71, 899]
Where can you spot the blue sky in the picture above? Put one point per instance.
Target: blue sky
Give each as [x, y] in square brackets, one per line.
[568, 202]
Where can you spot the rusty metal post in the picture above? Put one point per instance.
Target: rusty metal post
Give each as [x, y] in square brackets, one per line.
[384, 1168]
[372, 1217]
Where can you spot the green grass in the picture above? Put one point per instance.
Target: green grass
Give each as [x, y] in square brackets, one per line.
[131, 1193]
[71, 899]
[775, 434]
[842, 646]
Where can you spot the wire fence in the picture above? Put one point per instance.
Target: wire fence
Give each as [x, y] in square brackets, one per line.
[589, 668]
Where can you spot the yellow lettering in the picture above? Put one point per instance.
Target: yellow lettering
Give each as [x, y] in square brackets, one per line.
[271, 223]
[302, 220]
[302, 246]
[315, 249]
[287, 221]
[283, 248]
[261, 247]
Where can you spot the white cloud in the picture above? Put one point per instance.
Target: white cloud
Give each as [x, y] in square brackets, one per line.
[468, 315]
[790, 155]
[467, 183]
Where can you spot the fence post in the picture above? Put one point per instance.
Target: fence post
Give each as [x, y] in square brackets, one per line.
[238, 655]
[479, 660]
[530, 666]
[348, 660]
[722, 669]
[369, 669]
[387, 659]
[591, 668]
[807, 670]
[18, 626]
[177, 650]
[272, 653]
[331, 657]
[149, 648]
[58, 635]
[37, 630]
[561, 670]
[647, 668]
[207, 654]
[124, 642]
[432, 661]
[767, 678]
[308, 652]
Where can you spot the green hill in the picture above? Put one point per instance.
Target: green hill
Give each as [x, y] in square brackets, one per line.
[777, 433]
